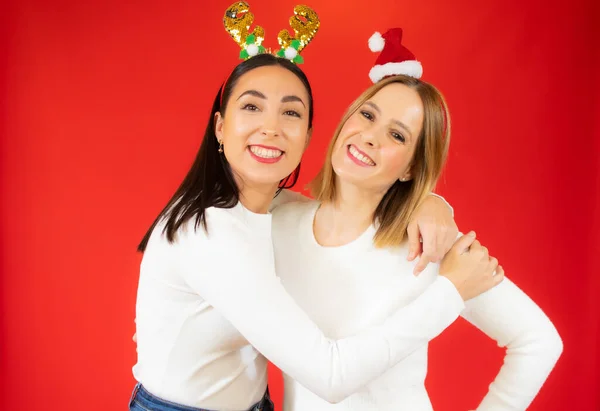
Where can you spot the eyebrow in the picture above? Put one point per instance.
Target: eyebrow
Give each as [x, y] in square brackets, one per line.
[397, 122]
[284, 99]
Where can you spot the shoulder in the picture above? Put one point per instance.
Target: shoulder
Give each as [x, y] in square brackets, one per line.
[395, 260]
[227, 225]
[225, 216]
[293, 210]
[287, 196]
[288, 218]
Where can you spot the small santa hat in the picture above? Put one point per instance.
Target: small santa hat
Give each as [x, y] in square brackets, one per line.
[394, 58]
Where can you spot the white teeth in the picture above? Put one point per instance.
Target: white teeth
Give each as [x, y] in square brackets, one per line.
[360, 157]
[265, 152]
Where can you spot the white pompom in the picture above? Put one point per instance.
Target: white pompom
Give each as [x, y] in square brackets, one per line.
[376, 42]
[290, 53]
[252, 50]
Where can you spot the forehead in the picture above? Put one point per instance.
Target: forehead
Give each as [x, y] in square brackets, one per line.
[274, 80]
[396, 98]
[398, 102]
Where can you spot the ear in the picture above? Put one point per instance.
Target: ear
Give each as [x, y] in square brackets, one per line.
[218, 123]
[407, 176]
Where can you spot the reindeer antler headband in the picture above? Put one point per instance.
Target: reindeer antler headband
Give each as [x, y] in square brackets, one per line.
[304, 22]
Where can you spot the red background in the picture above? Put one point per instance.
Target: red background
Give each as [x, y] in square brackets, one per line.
[103, 106]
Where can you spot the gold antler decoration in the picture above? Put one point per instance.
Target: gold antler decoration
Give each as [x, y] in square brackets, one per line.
[237, 21]
[305, 23]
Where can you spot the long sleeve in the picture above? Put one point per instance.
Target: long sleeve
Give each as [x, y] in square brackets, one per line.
[445, 201]
[509, 316]
[233, 270]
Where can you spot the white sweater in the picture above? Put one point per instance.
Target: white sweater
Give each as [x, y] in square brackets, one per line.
[346, 290]
[209, 305]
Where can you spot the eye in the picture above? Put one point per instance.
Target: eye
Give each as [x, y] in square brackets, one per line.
[292, 113]
[249, 107]
[369, 116]
[398, 136]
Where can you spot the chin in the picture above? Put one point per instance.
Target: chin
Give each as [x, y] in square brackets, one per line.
[347, 176]
[263, 177]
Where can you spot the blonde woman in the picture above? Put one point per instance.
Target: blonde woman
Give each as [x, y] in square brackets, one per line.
[343, 259]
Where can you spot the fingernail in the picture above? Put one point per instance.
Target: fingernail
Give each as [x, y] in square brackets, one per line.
[471, 234]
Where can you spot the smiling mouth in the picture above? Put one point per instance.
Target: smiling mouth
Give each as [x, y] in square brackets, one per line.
[266, 155]
[264, 152]
[359, 157]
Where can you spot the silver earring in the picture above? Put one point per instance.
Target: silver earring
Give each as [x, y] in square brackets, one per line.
[220, 146]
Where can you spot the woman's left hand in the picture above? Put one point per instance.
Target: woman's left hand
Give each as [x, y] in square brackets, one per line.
[434, 223]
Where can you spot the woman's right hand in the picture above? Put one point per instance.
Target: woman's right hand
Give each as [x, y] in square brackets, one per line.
[469, 266]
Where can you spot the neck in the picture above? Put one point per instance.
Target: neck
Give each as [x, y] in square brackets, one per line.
[347, 217]
[257, 197]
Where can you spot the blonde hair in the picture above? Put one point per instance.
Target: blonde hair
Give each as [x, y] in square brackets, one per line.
[402, 198]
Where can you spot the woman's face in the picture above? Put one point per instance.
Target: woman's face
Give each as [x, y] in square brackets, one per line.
[265, 128]
[376, 144]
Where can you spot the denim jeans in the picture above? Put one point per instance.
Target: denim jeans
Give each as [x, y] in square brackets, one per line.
[142, 400]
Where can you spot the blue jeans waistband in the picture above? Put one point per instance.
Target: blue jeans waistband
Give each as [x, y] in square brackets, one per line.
[142, 400]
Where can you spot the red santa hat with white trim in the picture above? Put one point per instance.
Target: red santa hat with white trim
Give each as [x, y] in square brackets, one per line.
[394, 59]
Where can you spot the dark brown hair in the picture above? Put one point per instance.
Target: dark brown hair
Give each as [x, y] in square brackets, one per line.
[210, 182]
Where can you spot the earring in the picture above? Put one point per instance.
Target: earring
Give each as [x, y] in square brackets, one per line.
[220, 146]
[403, 179]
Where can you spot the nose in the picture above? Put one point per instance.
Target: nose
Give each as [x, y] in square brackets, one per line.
[270, 132]
[369, 137]
[271, 127]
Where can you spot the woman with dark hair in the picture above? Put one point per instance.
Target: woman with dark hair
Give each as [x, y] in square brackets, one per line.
[210, 310]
